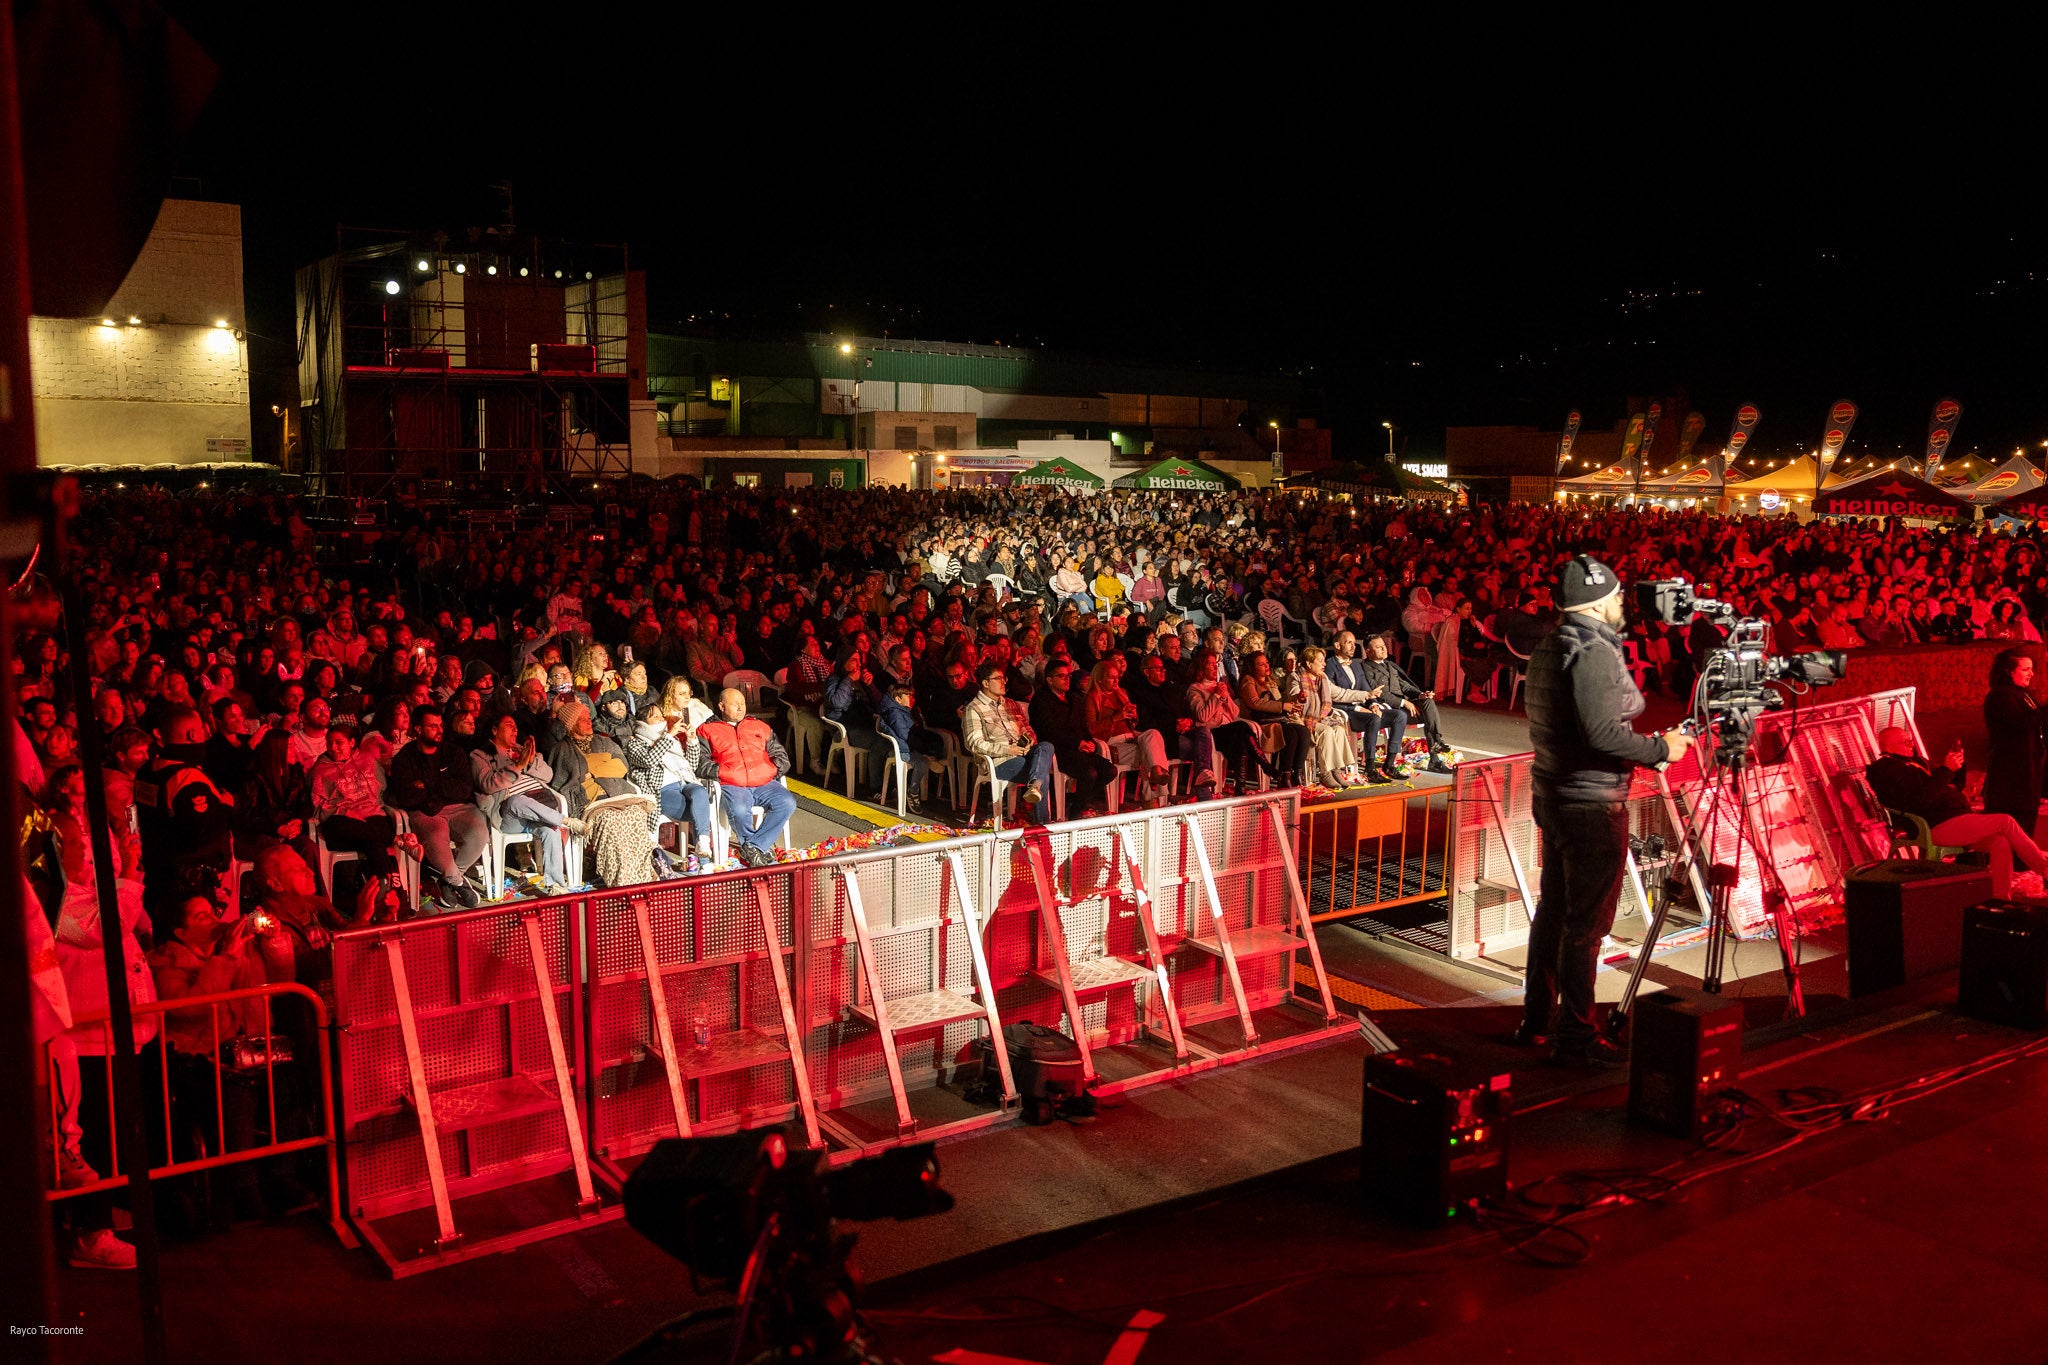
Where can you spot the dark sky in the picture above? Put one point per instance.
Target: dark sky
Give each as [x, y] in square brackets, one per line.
[1422, 245]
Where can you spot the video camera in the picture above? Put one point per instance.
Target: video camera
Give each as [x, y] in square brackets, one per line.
[1734, 679]
[754, 1211]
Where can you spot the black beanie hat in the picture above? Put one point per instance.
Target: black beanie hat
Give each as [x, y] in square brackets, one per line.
[1586, 581]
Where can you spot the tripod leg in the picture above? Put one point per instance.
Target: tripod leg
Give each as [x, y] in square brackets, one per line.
[1618, 1016]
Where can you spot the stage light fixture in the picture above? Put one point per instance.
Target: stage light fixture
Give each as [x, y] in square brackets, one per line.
[461, 269]
[391, 286]
[490, 270]
[522, 272]
[425, 266]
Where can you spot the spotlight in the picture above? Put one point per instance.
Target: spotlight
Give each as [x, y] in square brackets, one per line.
[490, 270]
[106, 322]
[558, 274]
[220, 322]
[522, 272]
[391, 286]
[425, 266]
[588, 276]
[461, 269]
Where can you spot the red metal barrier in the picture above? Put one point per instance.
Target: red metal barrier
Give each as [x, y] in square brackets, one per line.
[220, 1157]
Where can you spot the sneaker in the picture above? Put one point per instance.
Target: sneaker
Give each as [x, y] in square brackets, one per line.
[100, 1249]
[1524, 1036]
[459, 892]
[73, 1172]
[751, 856]
[703, 847]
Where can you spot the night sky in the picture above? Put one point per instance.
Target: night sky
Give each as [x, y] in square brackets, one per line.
[1438, 251]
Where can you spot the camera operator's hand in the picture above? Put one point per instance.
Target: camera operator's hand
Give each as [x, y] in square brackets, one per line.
[1678, 742]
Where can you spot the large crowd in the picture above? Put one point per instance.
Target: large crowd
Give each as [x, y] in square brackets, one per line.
[267, 697]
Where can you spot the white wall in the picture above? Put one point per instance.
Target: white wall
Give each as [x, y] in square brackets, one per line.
[157, 390]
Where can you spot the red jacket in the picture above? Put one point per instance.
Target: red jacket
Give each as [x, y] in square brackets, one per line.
[746, 754]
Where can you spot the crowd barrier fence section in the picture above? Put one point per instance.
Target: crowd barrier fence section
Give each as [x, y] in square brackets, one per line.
[1377, 852]
[849, 994]
[205, 1134]
[461, 1041]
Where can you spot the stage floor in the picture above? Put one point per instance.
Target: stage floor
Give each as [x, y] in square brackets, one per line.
[1226, 1202]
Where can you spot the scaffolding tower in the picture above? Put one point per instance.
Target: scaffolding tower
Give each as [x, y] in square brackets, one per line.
[504, 367]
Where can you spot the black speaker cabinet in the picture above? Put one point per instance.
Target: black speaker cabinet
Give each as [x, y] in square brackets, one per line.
[1905, 919]
[2004, 976]
[1683, 1046]
[1433, 1136]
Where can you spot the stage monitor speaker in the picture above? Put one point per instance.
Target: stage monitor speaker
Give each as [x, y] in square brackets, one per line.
[1905, 919]
[1433, 1136]
[2004, 976]
[1683, 1046]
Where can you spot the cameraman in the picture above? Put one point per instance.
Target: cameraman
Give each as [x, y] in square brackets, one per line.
[1581, 699]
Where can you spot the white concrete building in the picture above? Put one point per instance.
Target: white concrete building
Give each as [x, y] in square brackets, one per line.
[163, 374]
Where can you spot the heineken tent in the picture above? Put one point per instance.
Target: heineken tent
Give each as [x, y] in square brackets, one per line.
[1890, 493]
[1059, 472]
[2009, 480]
[1190, 476]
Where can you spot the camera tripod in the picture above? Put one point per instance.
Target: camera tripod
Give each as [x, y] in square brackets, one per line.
[1731, 770]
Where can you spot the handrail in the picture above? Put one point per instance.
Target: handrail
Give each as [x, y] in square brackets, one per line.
[212, 1003]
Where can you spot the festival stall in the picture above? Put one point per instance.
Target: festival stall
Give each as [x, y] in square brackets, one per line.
[1891, 493]
[2016, 476]
[1615, 480]
[1375, 478]
[1789, 485]
[2029, 508]
[1061, 473]
[1184, 475]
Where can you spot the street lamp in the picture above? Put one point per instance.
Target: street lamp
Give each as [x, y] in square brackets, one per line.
[1390, 441]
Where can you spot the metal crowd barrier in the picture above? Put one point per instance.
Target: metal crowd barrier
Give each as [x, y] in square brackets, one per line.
[1373, 853]
[846, 994]
[214, 1153]
[461, 1040]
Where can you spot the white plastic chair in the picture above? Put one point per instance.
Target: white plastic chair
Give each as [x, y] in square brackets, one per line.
[573, 860]
[500, 840]
[721, 827]
[331, 858]
[1273, 616]
[806, 739]
[1003, 795]
[856, 759]
[753, 684]
[1004, 586]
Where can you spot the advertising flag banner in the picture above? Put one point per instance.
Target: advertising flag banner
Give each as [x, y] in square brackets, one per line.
[1746, 418]
[1571, 434]
[1689, 434]
[1941, 429]
[1632, 440]
[1841, 421]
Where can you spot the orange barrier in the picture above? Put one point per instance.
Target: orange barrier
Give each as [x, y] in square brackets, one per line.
[220, 1157]
[1374, 852]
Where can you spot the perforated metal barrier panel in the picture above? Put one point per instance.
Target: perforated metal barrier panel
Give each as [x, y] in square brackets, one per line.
[801, 990]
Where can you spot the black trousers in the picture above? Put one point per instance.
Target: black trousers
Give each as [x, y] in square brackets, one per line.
[1585, 851]
[1091, 774]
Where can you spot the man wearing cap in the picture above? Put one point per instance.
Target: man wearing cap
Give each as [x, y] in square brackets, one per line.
[1581, 699]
